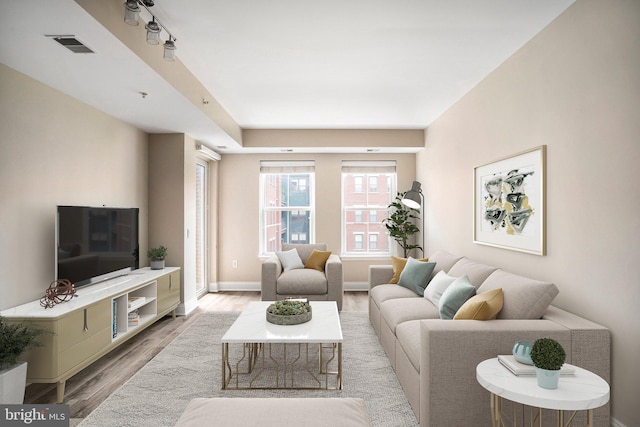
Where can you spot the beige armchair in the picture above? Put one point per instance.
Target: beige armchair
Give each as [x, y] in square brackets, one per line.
[327, 285]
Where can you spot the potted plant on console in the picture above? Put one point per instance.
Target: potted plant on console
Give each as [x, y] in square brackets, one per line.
[547, 356]
[157, 256]
[15, 339]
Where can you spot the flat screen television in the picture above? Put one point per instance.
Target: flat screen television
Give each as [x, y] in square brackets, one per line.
[95, 244]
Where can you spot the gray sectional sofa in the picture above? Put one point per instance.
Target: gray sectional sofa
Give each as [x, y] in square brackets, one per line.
[435, 359]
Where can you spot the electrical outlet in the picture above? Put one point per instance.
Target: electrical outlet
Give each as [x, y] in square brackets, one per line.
[235, 263]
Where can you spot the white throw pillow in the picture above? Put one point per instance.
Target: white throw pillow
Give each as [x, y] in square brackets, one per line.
[437, 286]
[290, 260]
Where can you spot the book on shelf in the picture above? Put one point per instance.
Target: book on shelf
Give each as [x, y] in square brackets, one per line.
[114, 321]
[133, 318]
[522, 370]
[135, 302]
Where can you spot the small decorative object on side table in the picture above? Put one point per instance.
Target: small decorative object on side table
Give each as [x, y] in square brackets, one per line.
[289, 312]
[582, 391]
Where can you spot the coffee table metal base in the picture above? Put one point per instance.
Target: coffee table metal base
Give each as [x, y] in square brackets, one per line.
[249, 370]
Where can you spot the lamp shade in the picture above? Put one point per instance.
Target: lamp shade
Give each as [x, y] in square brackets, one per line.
[169, 51]
[153, 32]
[412, 198]
[131, 12]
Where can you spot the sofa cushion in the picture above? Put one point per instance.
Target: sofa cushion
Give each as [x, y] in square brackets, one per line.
[408, 334]
[416, 275]
[437, 286]
[398, 265]
[476, 272]
[304, 249]
[444, 261]
[454, 296]
[482, 306]
[304, 281]
[397, 311]
[317, 260]
[290, 260]
[524, 298]
[381, 293]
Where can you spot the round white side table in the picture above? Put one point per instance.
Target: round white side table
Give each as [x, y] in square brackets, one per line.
[582, 391]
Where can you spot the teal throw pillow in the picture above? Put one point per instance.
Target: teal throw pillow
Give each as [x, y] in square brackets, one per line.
[416, 275]
[454, 296]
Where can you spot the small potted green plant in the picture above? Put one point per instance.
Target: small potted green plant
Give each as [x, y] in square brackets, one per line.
[547, 356]
[15, 339]
[157, 256]
[289, 312]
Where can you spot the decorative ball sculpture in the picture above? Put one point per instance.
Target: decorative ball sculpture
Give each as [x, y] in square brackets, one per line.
[522, 352]
[58, 291]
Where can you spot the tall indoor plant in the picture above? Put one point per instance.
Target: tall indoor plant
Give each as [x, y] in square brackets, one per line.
[15, 339]
[401, 224]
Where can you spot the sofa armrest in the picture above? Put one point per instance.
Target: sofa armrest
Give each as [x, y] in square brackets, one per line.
[271, 270]
[450, 352]
[335, 279]
[380, 275]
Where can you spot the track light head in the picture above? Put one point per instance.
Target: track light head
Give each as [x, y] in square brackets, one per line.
[169, 50]
[131, 12]
[153, 32]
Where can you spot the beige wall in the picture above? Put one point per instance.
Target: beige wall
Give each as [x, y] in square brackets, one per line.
[55, 150]
[575, 87]
[239, 211]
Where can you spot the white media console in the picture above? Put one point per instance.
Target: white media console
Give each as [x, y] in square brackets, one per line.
[97, 320]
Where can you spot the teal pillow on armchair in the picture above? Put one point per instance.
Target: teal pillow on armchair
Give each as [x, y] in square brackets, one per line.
[416, 275]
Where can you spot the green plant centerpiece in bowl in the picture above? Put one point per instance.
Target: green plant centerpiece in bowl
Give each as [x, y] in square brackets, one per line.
[547, 356]
[157, 256]
[289, 312]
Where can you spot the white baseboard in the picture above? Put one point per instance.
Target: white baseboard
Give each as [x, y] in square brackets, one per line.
[616, 423]
[187, 307]
[255, 286]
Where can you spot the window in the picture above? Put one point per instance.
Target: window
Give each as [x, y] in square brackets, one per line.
[286, 204]
[364, 208]
[201, 225]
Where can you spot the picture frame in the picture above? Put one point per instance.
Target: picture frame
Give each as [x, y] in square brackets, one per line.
[509, 202]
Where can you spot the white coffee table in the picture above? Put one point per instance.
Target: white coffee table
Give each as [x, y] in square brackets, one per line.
[260, 338]
[582, 391]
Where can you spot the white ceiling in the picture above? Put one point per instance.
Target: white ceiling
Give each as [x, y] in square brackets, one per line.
[336, 64]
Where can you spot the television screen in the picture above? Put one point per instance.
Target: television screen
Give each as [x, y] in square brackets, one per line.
[95, 243]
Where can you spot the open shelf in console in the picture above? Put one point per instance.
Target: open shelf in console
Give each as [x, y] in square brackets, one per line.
[133, 309]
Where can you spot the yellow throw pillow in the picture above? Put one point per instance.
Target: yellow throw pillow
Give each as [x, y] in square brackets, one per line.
[398, 265]
[483, 306]
[317, 260]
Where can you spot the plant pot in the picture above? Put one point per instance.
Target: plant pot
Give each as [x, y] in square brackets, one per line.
[547, 379]
[157, 264]
[294, 319]
[13, 381]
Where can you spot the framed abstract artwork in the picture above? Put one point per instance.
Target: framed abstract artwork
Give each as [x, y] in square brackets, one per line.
[509, 202]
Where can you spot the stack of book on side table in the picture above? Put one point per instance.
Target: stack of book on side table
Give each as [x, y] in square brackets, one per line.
[520, 369]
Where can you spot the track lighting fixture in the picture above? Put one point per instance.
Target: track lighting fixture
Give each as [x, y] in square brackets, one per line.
[153, 32]
[131, 12]
[169, 50]
[154, 26]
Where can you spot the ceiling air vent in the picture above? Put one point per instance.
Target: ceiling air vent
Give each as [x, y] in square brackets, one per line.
[72, 43]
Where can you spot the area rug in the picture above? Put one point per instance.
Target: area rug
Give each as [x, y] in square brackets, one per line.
[190, 367]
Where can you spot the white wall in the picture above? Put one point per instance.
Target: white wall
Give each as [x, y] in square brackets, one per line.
[56, 150]
[575, 87]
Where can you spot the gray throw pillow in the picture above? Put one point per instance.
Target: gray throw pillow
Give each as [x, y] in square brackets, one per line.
[416, 275]
[290, 260]
[455, 296]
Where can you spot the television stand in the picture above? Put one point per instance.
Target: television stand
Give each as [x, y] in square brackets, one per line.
[102, 318]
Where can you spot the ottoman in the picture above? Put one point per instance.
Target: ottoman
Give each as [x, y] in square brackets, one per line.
[303, 412]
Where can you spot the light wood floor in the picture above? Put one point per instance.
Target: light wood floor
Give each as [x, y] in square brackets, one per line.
[87, 389]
